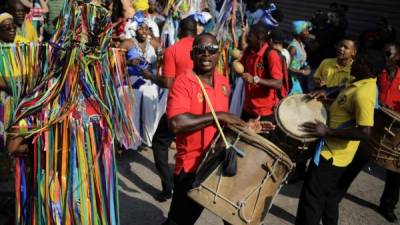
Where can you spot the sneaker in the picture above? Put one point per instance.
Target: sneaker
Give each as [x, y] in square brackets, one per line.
[388, 214]
[162, 197]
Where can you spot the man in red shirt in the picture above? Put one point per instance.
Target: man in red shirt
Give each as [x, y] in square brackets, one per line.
[389, 96]
[176, 61]
[190, 119]
[263, 74]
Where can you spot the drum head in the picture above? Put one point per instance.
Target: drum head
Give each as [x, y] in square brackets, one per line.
[295, 110]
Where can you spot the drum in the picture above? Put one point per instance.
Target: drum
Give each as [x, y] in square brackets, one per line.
[383, 147]
[290, 113]
[246, 197]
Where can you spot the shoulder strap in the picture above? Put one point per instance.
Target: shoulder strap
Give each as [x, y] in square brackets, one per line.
[213, 112]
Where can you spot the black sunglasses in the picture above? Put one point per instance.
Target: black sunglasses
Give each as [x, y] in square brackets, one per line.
[201, 49]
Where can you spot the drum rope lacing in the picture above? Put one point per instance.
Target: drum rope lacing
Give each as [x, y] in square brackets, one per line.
[382, 146]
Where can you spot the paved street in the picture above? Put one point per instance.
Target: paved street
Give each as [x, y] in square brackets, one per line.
[139, 184]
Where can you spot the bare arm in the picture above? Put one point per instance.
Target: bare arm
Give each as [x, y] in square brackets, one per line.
[187, 122]
[352, 133]
[304, 72]
[128, 10]
[271, 83]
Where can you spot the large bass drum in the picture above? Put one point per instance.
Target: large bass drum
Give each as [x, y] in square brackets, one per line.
[246, 197]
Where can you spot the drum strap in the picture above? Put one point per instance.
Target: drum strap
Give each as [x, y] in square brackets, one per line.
[227, 145]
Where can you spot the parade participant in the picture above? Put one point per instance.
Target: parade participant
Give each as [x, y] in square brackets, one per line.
[142, 62]
[154, 32]
[277, 39]
[351, 119]
[334, 72]
[25, 28]
[331, 76]
[299, 69]
[176, 61]
[192, 122]
[264, 74]
[389, 96]
[11, 145]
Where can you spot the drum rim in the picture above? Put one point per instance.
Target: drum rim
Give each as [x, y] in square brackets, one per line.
[286, 131]
[390, 112]
[259, 140]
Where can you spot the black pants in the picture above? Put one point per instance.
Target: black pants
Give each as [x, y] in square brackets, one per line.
[319, 197]
[390, 195]
[352, 170]
[183, 210]
[161, 141]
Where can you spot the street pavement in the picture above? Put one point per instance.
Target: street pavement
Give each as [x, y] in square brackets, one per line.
[139, 183]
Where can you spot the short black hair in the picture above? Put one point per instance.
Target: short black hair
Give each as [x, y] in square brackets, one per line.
[197, 39]
[352, 39]
[277, 36]
[374, 59]
[188, 26]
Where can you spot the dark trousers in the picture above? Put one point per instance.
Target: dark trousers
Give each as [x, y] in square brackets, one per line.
[390, 195]
[319, 197]
[161, 141]
[183, 210]
[352, 170]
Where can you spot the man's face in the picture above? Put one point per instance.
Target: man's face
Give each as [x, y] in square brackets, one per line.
[252, 39]
[7, 30]
[346, 50]
[205, 54]
[142, 33]
[391, 54]
[18, 11]
[152, 7]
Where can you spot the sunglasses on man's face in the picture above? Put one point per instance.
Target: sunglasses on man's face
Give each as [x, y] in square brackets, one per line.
[211, 49]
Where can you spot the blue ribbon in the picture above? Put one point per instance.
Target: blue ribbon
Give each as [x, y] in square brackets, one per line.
[268, 19]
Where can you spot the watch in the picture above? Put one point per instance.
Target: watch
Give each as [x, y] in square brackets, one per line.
[256, 79]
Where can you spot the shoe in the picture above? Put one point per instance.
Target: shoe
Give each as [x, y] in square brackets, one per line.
[162, 197]
[388, 214]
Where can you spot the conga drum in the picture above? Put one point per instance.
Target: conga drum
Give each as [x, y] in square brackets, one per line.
[383, 146]
[246, 197]
[290, 113]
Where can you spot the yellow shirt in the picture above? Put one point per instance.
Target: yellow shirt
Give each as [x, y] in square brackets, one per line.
[355, 103]
[28, 32]
[332, 74]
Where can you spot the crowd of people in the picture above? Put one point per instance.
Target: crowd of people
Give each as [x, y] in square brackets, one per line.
[174, 71]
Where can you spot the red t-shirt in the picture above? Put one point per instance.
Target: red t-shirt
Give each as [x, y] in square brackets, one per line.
[177, 58]
[389, 91]
[186, 96]
[260, 100]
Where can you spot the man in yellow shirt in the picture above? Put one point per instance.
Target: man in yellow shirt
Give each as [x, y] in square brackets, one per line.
[331, 75]
[333, 72]
[351, 118]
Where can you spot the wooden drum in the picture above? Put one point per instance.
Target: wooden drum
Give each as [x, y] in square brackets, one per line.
[383, 147]
[246, 197]
[290, 113]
